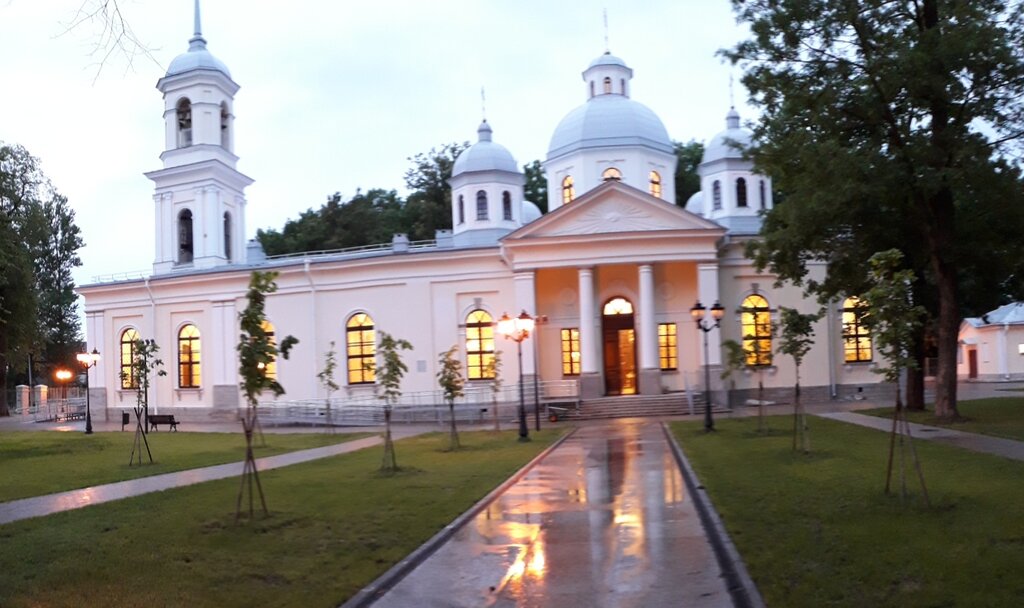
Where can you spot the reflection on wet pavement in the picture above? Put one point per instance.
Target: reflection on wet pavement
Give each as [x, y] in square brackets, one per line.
[604, 521]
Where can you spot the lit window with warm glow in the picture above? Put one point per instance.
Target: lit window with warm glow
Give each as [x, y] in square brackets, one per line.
[856, 337]
[611, 173]
[271, 370]
[667, 349]
[479, 345]
[618, 306]
[129, 380]
[188, 357]
[655, 185]
[571, 352]
[361, 349]
[756, 328]
[568, 191]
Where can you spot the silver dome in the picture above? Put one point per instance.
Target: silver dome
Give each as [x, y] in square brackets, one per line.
[730, 143]
[607, 59]
[695, 204]
[530, 212]
[485, 155]
[609, 120]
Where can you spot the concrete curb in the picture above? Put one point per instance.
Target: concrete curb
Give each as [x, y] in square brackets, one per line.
[372, 592]
[742, 589]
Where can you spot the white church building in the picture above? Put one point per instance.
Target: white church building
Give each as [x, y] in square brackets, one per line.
[613, 269]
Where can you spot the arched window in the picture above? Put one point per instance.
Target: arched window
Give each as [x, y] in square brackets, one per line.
[184, 112]
[856, 337]
[760, 186]
[481, 205]
[361, 349]
[607, 84]
[716, 195]
[655, 179]
[611, 173]
[188, 357]
[506, 205]
[622, 86]
[227, 236]
[479, 345]
[462, 210]
[129, 380]
[270, 371]
[618, 306]
[756, 329]
[568, 191]
[185, 237]
[225, 119]
[741, 192]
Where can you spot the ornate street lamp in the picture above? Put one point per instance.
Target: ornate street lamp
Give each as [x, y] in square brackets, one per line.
[698, 312]
[88, 360]
[518, 329]
[63, 376]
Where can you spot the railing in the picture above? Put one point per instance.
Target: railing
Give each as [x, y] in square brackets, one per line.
[480, 404]
[350, 251]
[55, 410]
[131, 275]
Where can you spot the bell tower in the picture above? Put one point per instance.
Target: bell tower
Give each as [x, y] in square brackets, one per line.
[200, 194]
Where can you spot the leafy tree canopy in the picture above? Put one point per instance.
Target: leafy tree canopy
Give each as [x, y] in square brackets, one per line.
[688, 158]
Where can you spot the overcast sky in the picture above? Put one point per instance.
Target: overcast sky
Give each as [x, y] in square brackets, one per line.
[336, 95]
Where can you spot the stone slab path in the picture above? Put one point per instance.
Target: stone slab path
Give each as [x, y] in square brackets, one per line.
[604, 520]
[75, 499]
[1007, 448]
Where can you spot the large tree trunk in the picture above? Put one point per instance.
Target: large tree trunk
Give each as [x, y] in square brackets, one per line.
[915, 377]
[949, 328]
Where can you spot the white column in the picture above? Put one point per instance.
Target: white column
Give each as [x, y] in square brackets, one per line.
[648, 337]
[588, 331]
[526, 299]
[707, 290]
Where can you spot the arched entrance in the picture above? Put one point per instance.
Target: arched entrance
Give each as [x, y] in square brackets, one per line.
[619, 340]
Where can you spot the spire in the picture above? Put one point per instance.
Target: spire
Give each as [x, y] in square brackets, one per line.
[483, 104]
[197, 42]
[607, 47]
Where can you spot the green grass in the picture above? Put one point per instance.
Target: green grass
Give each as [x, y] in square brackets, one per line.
[817, 530]
[997, 416]
[43, 462]
[336, 525]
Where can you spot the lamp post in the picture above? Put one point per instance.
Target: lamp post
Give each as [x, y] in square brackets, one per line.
[698, 312]
[518, 329]
[88, 360]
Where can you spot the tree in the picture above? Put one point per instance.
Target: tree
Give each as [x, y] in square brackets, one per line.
[492, 370]
[256, 350]
[143, 365]
[389, 382]
[536, 188]
[38, 249]
[882, 123]
[893, 319]
[689, 157]
[796, 337]
[429, 205]
[326, 378]
[450, 379]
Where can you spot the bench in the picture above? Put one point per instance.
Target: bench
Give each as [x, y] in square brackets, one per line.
[157, 419]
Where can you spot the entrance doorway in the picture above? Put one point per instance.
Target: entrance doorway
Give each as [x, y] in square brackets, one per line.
[619, 340]
[972, 363]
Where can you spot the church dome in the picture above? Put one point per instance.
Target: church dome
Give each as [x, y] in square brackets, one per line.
[729, 143]
[607, 59]
[609, 120]
[197, 57]
[530, 211]
[485, 155]
[695, 204]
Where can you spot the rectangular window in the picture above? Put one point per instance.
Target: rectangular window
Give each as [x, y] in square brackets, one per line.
[571, 352]
[667, 352]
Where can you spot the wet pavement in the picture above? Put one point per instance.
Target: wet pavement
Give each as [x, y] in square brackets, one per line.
[603, 521]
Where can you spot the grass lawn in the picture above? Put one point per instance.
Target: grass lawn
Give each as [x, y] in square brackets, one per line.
[336, 525]
[43, 462]
[817, 530]
[997, 416]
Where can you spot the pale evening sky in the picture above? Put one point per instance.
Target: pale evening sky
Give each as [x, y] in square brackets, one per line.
[336, 95]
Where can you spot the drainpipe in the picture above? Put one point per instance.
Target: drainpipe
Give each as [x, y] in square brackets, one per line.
[312, 306]
[1004, 364]
[152, 315]
[831, 319]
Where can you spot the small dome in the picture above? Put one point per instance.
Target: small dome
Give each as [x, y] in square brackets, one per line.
[607, 59]
[485, 155]
[695, 204]
[197, 60]
[530, 212]
[609, 120]
[729, 143]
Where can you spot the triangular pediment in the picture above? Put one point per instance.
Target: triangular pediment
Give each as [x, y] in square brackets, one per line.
[614, 207]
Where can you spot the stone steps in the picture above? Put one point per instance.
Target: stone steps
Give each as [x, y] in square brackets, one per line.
[633, 406]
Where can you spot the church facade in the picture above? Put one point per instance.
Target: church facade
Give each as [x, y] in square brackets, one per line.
[613, 270]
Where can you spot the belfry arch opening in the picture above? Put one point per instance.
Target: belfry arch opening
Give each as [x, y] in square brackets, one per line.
[184, 122]
[618, 339]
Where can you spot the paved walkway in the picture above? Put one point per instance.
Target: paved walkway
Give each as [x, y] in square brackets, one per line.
[1008, 448]
[75, 499]
[604, 520]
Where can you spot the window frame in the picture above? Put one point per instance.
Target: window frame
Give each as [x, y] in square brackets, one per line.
[570, 342]
[654, 181]
[129, 381]
[506, 206]
[611, 174]
[192, 347]
[356, 327]
[568, 190]
[757, 316]
[479, 332]
[482, 211]
[668, 347]
[741, 192]
[854, 330]
[716, 196]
